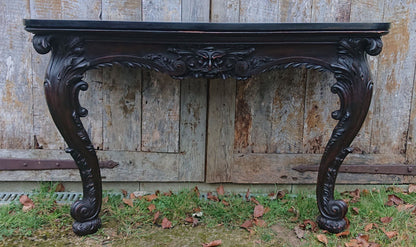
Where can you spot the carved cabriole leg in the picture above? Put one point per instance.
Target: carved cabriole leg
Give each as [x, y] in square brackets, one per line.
[63, 81]
[354, 88]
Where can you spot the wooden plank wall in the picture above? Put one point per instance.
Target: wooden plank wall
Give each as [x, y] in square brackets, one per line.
[159, 129]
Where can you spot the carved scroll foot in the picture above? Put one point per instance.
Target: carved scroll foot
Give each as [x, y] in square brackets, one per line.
[63, 82]
[354, 88]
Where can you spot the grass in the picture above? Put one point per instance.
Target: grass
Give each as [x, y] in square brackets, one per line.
[49, 224]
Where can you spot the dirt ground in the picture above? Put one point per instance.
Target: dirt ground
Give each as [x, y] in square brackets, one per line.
[277, 235]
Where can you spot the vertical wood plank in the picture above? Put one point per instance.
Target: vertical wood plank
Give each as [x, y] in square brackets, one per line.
[221, 109]
[45, 131]
[295, 10]
[259, 11]
[411, 148]
[161, 94]
[122, 89]
[16, 122]
[195, 11]
[367, 11]
[320, 102]
[122, 10]
[194, 93]
[395, 79]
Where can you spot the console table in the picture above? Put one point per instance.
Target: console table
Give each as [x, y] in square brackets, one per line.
[208, 50]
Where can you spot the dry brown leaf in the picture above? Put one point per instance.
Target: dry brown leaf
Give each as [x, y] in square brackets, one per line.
[300, 233]
[166, 224]
[225, 203]
[363, 237]
[105, 200]
[247, 195]
[404, 207]
[343, 234]
[322, 238]
[155, 217]
[258, 211]
[365, 192]
[394, 200]
[168, 193]
[386, 219]
[128, 202]
[60, 188]
[312, 224]
[355, 210]
[247, 224]
[189, 219]
[412, 188]
[213, 243]
[260, 223]
[150, 198]
[26, 202]
[151, 207]
[132, 196]
[390, 234]
[124, 192]
[211, 197]
[266, 210]
[368, 227]
[353, 243]
[196, 190]
[220, 190]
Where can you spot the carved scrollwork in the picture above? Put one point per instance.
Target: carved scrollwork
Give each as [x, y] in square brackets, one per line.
[354, 88]
[63, 82]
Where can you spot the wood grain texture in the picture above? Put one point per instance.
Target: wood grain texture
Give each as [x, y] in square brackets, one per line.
[195, 11]
[392, 97]
[161, 94]
[47, 135]
[367, 11]
[122, 108]
[221, 108]
[220, 139]
[122, 89]
[193, 129]
[15, 78]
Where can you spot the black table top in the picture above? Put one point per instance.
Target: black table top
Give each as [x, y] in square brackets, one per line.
[34, 25]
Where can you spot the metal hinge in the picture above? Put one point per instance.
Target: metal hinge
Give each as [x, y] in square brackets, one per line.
[35, 164]
[368, 169]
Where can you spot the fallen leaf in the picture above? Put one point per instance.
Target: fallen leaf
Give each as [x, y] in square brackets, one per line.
[363, 237]
[220, 190]
[300, 233]
[213, 243]
[253, 199]
[155, 217]
[355, 210]
[189, 219]
[353, 243]
[322, 238]
[368, 227]
[394, 200]
[150, 198]
[128, 202]
[404, 207]
[124, 192]
[258, 211]
[196, 190]
[166, 224]
[132, 196]
[212, 197]
[266, 210]
[390, 234]
[225, 203]
[260, 223]
[168, 193]
[247, 224]
[309, 224]
[386, 219]
[26, 202]
[294, 211]
[365, 192]
[343, 234]
[157, 192]
[412, 188]
[60, 188]
[105, 200]
[248, 195]
[151, 207]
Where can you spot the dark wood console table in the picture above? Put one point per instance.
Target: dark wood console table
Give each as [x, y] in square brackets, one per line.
[208, 50]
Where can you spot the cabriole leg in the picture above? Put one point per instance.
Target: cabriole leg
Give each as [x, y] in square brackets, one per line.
[63, 82]
[354, 88]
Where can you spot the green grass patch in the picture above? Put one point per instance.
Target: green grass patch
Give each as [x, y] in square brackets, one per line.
[124, 224]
